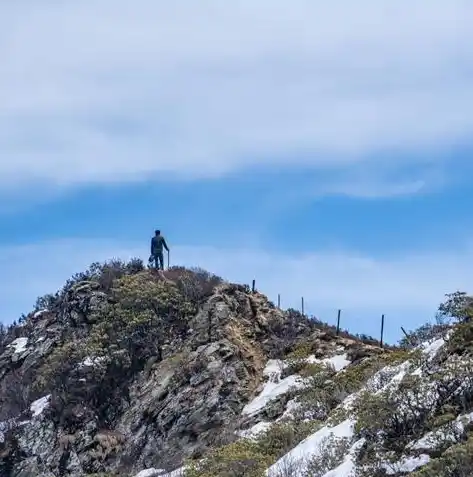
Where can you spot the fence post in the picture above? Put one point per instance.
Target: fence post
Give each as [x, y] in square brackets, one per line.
[253, 286]
[382, 330]
[338, 321]
[302, 305]
[408, 337]
[279, 300]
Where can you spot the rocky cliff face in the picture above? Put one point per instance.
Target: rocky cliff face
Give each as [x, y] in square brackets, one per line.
[129, 372]
[130, 369]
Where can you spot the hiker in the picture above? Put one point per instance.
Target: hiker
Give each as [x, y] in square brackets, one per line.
[157, 244]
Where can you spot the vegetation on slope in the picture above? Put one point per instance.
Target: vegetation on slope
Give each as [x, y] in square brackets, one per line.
[124, 319]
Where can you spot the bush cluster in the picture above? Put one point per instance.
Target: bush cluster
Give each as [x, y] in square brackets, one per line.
[141, 314]
[251, 457]
[457, 461]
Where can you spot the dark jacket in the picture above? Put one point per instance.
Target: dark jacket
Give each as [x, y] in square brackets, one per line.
[157, 244]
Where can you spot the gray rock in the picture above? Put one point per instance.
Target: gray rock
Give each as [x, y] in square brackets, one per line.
[169, 410]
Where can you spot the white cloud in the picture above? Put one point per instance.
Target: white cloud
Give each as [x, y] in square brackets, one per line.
[102, 90]
[407, 288]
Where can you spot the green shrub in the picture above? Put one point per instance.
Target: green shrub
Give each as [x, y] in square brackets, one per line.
[240, 459]
[424, 333]
[461, 340]
[395, 416]
[139, 317]
[457, 307]
[280, 438]
[457, 461]
[251, 457]
[330, 454]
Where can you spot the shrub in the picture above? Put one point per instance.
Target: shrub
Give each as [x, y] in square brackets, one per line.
[14, 396]
[143, 312]
[251, 457]
[280, 438]
[240, 459]
[394, 415]
[461, 340]
[321, 393]
[457, 461]
[330, 454]
[457, 307]
[47, 302]
[424, 333]
[194, 284]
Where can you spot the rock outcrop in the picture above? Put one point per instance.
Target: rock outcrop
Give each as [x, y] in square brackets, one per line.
[138, 372]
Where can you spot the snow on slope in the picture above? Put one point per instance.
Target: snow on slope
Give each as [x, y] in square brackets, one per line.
[338, 362]
[152, 472]
[19, 344]
[275, 386]
[38, 406]
[445, 433]
[387, 378]
[347, 467]
[408, 464]
[310, 446]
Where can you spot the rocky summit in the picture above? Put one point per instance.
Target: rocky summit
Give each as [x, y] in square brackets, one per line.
[133, 372]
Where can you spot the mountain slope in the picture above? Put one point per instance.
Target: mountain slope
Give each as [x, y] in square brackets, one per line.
[131, 372]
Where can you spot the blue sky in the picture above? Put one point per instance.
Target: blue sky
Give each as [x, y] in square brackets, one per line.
[322, 149]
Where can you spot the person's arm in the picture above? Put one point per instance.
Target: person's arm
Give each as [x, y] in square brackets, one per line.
[152, 246]
[165, 245]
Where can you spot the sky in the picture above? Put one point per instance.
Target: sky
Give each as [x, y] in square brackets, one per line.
[320, 148]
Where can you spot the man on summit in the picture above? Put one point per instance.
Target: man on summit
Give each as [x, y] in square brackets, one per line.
[157, 244]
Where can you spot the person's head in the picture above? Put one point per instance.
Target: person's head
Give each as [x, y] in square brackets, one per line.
[157, 232]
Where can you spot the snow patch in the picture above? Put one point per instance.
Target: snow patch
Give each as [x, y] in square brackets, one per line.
[409, 464]
[394, 381]
[338, 362]
[291, 406]
[310, 446]
[273, 388]
[39, 313]
[256, 430]
[274, 366]
[88, 361]
[151, 473]
[347, 467]
[433, 439]
[19, 344]
[431, 349]
[38, 406]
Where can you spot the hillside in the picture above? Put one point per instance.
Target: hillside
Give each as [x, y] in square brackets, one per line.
[130, 372]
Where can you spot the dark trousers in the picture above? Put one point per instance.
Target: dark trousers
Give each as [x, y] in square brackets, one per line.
[159, 260]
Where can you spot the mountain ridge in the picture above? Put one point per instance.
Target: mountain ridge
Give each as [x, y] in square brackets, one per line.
[128, 371]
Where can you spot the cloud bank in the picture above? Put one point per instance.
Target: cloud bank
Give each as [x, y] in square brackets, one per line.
[100, 91]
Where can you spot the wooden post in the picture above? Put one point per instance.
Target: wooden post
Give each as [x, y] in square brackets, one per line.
[253, 286]
[302, 305]
[338, 321]
[382, 330]
[408, 337]
[279, 300]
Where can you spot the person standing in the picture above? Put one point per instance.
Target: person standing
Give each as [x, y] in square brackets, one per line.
[157, 244]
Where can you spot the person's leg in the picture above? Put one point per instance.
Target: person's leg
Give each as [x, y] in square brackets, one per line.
[156, 261]
[161, 260]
